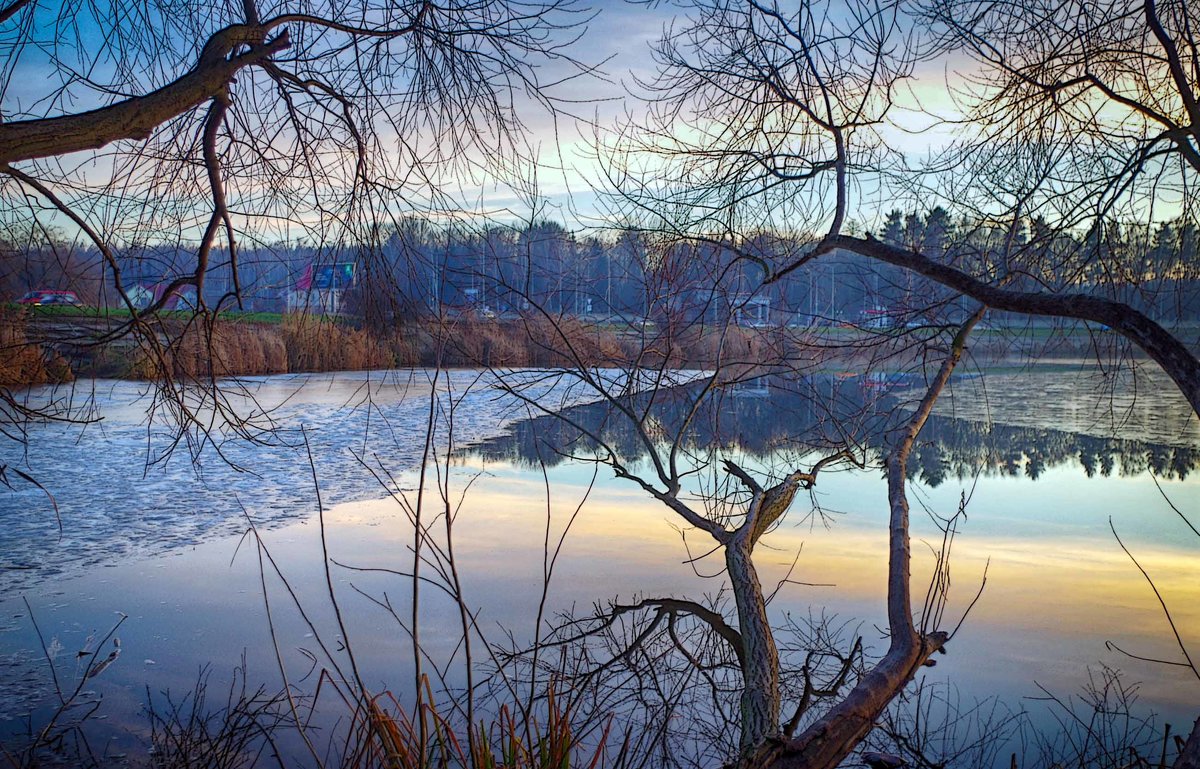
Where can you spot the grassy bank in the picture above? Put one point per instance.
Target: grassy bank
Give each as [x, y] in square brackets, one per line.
[53, 344]
[41, 346]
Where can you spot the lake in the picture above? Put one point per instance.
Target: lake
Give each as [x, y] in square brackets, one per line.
[1051, 460]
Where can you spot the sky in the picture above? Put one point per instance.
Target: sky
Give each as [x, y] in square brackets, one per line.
[617, 40]
[620, 37]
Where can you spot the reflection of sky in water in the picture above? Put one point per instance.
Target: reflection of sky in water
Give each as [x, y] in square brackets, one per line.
[113, 504]
[1058, 584]
[1138, 402]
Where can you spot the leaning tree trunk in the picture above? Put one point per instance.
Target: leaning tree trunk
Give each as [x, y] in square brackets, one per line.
[760, 702]
[828, 741]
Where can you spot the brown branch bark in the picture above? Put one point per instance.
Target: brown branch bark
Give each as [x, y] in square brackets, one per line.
[212, 164]
[768, 506]
[734, 469]
[761, 700]
[136, 118]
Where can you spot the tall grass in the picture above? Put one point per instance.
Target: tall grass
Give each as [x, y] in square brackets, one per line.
[314, 343]
[386, 735]
[227, 349]
[22, 361]
[220, 349]
[202, 347]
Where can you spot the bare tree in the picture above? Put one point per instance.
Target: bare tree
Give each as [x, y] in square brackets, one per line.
[136, 122]
[769, 117]
[736, 522]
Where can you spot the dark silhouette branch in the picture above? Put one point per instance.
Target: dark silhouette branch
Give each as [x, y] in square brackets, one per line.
[136, 118]
[1188, 663]
[12, 9]
[1163, 347]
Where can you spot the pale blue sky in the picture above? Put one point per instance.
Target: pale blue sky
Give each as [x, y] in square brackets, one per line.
[618, 40]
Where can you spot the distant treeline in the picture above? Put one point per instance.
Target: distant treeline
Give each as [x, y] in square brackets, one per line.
[419, 269]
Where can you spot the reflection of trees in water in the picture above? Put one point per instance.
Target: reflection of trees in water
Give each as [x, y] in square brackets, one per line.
[957, 448]
[769, 422]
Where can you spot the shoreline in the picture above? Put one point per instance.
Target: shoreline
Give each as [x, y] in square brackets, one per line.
[56, 347]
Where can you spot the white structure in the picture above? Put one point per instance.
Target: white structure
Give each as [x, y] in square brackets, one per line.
[316, 301]
[752, 311]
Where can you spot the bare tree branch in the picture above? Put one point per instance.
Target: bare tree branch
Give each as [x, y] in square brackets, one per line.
[136, 118]
[1175, 358]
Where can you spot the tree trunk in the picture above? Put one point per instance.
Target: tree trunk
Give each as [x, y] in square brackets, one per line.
[829, 740]
[1189, 756]
[826, 743]
[760, 703]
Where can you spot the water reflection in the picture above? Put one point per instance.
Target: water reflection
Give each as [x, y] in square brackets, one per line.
[772, 419]
[1058, 588]
[118, 495]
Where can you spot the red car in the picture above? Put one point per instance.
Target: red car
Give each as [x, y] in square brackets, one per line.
[45, 296]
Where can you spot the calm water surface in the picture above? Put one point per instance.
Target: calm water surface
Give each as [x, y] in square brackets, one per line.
[161, 542]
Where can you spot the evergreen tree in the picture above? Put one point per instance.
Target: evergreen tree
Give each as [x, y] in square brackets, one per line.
[893, 228]
[937, 232]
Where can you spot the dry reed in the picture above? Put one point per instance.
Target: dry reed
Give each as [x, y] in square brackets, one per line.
[24, 362]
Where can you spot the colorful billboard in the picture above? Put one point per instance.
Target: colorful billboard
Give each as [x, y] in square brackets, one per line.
[329, 276]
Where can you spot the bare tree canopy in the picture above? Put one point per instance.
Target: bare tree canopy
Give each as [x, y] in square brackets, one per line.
[1076, 116]
[158, 122]
[1102, 95]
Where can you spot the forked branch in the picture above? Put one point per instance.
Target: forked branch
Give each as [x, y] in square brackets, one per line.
[827, 742]
[768, 505]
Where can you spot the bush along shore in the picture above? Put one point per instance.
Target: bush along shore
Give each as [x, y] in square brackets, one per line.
[40, 348]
